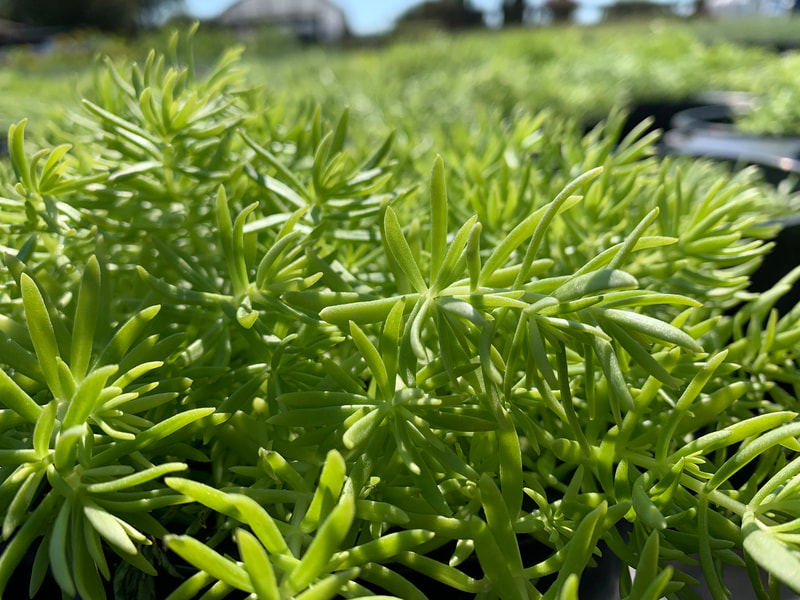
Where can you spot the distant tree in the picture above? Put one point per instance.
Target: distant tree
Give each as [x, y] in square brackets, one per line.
[121, 16]
[561, 11]
[513, 12]
[636, 9]
[700, 9]
[451, 14]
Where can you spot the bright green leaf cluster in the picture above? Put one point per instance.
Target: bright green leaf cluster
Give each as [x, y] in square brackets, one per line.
[367, 379]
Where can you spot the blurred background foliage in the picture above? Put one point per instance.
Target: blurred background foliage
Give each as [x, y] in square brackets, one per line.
[580, 72]
[488, 101]
[121, 16]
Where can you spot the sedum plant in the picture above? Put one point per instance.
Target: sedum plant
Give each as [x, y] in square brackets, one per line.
[249, 348]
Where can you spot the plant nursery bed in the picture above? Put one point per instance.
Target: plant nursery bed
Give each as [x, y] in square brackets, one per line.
[285, 357]
[779, 262]
[709, 131]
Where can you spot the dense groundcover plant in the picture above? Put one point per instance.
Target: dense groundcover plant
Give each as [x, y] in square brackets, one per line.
[235, 339]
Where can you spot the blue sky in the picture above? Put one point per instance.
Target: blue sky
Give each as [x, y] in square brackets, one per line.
[364, 16]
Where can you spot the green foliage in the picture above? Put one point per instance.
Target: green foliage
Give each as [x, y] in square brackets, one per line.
[574, 71]
[308, 365]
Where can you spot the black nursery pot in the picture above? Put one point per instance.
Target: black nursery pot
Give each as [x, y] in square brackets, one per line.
[781, 259]
[704, 126]
[664, 113]
[709, 131]
[598, 582]
[660, 113]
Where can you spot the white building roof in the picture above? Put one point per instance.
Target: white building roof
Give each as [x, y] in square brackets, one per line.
[327, 19]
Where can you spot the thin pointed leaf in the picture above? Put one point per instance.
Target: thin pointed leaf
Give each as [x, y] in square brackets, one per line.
[257, 565]
[201, 556]
[330, 485]
[401, 251]
[14, 397]
[42, 334]
[319, 553]
[439, 223]
[770, 554]
[236, 506]
[85, 320]
[373, 359]
[86, 397]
